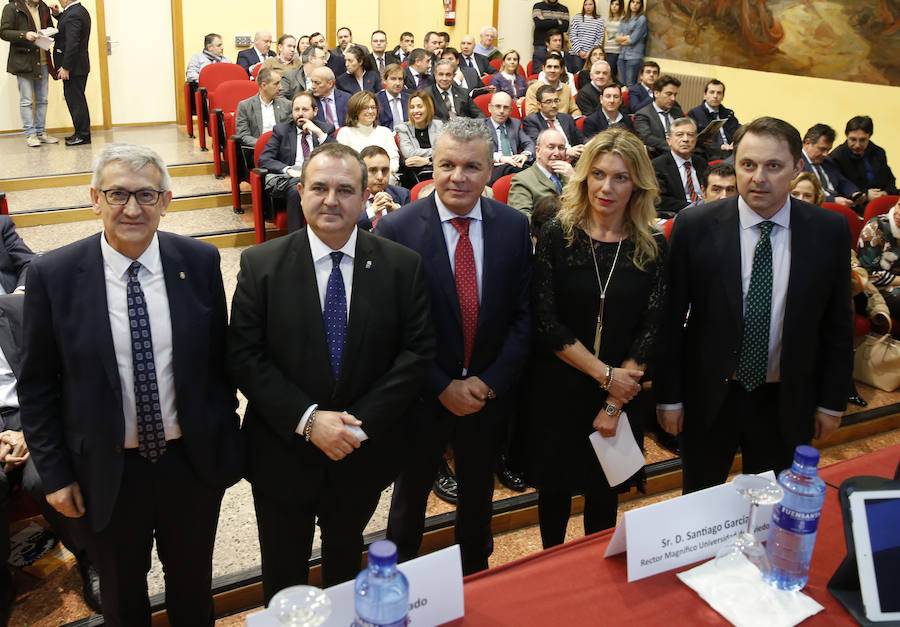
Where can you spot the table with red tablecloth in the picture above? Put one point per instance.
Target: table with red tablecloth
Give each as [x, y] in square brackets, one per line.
[573, 584]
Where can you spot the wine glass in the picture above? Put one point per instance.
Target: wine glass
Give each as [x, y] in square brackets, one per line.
[759, 491]
[300, 606]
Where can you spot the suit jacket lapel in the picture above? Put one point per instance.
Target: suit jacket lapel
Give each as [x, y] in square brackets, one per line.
[803, 246]
[92, 280]
[728, 244]
[440, 258]
[182, 308]
[491, 243]
[365, 292]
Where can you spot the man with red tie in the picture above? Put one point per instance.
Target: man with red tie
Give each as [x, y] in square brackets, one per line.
[477, 255]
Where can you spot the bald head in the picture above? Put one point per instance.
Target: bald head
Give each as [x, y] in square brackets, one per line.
[262, 41]
[467, 45]
[322, 81]
[551, 146]
[500, 107]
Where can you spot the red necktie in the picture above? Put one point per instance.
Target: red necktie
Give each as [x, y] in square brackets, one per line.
[466, 286]
[552, 125]
[689, 183]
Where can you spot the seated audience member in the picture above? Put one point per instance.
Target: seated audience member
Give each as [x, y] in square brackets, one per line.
[332, 102]
[608, 114]
[548, 116]
[406, 45]
[720, 146]
[806, 187]
[383, 197]
[393, 100]
[513, 148]
[864, 162]
[360, 74]
[471, 58]
[641, 93]
[451, 100]
[14, 257]
[546, 177]
[553, 67]
[17, 467]
[286, 59]
[211, 53]
[379, 56]
[588, 98]
[335, 62]
[282, 157]
[362, 128]
[466, 77]
[584, 74]
[417, 138]
[817, 144]
[295, 81]
[432, 44]
[486, 38]
[677, 171]
[718, 182]
[261, 50]
[508, 78]
[260, 113]
[879, 243]
[418, 67]
[544, 210]
[302, 43]
[345, 39]
[652, 122]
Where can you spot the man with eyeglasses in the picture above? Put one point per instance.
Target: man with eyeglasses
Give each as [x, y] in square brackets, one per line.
[549, 117]
[125, 404]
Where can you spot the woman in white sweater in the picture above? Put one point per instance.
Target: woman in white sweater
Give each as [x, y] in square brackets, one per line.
[362, 128]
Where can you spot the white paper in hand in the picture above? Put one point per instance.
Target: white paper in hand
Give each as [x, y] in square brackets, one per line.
[620, 456]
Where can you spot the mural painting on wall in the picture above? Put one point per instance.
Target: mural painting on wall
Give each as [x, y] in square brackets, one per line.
[850, 40]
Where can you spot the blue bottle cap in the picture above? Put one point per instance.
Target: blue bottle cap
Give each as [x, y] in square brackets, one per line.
[382, 553]
[806, 455]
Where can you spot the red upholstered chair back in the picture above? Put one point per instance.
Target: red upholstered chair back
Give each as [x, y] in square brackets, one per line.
[854, 223]
[577, 80]
[530, 69]
[879, 206]
[260, 145]
[214, 74]
[414, 192]
[501, 188]
[666, 227]
[482, 103]
[496, 63]
[228, 94]
[486, 80]
[531, 77]
[255, 71]
[625, 98]
[580, 124]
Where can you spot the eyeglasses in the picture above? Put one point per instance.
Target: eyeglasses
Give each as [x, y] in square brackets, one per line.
[119, 197]
[554, 101]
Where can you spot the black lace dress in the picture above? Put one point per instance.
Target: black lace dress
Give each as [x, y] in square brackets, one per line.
[565, 299]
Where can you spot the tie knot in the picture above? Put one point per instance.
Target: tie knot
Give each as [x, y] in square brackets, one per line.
[336, 258]
[462, 225]
[133, 269]
[766, 227]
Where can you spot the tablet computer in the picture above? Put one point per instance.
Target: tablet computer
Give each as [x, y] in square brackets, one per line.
[876, 534]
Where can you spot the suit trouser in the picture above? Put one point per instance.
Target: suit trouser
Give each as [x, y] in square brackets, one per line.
[476, 443]
[73, 90]
[165, 501]
[747, 420]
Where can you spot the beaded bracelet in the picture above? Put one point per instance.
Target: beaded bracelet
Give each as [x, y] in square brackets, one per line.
[609, 378]
[307, 430]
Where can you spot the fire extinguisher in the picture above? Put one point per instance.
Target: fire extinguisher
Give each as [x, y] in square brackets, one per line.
[449, 12]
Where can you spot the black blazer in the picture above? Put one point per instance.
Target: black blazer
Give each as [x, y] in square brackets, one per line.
[371, 82]
[535, 123]
[596, 122]
[15, 256]
[704, 266]
[11, 344]
[671, 191]
[70, 391]
[703, 117]
[588, 99]
[462, 102]
[409, 82]
[341, 100]
[70, 50]
[281, 149]
[248, 58]
[482, 63]
[385, 117]
[638, 97]
[400, 195]
[389, 57]
[278, 352]
[651, 130]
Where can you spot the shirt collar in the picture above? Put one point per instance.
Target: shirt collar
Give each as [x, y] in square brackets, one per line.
[611, 121]
[446, 215]
[497, 126]
[72, 4]
[661, 111]
[263, 102]
[678, 160]
[119, 263]
[750, 218]
[544, 170]
[710, 109]
[320, 249]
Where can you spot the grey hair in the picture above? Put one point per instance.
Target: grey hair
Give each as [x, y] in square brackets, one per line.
[546, 131]
[606, 63]
[685, 121]
[486, 29]
[468, 129]
[444, 62]
[307, 54]
[135, 157]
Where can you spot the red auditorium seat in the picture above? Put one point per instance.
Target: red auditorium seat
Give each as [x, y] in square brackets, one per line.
[501, 188]
[878, 206]
[854, 223]
[223, 104]
[210, 78]
[414, 192]
[258, 195]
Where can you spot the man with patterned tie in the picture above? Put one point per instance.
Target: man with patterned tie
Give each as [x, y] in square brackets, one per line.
[126, 406]
[762, 362]
[477, 255]
[679, 172]
[331, 101]
[330, 341]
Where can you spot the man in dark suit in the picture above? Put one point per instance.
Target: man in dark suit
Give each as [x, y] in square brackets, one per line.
[249, 121]
[764, 359]
[652, 122]
[406, 45]
[477, 254]
[70, 57]
[512, 147]
[445, 91]
[608, 114]
[380, 56]
[641, 93]
[392, 100]
[720, 146]
[284, 161]
[548, 116]
[331, 102]
[345, 39]
[127, 409]
[259, 52]
[465, 76]
[678, 171]
[15, 256]
[328, 400]
[588, 97]
[295, 81]
[418, 71]
[472, 59]
[863, 161]
[817, 144]
[381, 197]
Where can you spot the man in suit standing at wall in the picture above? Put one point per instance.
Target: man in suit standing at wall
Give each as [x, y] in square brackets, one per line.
[70, 57]
[652, 121]
[477, 254]
[764, 359]
[330, 340]
[126, 406]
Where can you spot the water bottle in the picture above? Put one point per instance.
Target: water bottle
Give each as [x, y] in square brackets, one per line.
[382, 591]
[795, 520]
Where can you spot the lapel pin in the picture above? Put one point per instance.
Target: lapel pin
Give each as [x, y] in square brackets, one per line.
[368, 264]
[181, 276]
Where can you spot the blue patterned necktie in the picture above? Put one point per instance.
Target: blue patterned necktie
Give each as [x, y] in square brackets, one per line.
[555, 180]
[754, 358]
[150, 433]
[335, 314]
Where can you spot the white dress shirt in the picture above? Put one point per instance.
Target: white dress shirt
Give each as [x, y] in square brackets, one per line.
[9, 397]
[451, 236]
[679, 161]
[268, 114]
[664, 114]
[559, 127]
[153, 284]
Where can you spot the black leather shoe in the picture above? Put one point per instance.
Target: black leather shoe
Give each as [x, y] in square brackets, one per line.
[90, 585]
[668, 442]
[78, 141]
[857, 400]
[512, 480]
[445, 486]
[239, 211]
[72, 136]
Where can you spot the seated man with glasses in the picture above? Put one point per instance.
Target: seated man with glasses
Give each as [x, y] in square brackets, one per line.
[548, 116]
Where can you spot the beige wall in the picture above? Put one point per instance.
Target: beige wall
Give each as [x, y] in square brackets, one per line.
[421, 17]
[229, 18]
